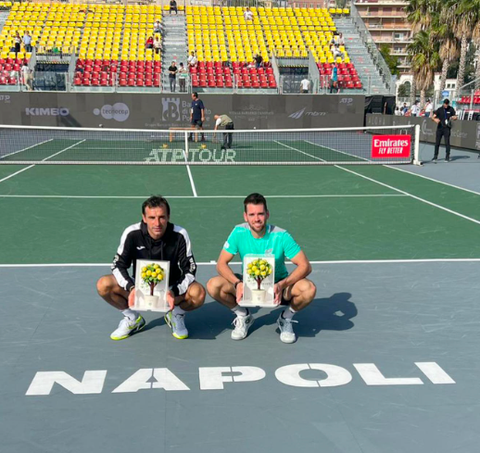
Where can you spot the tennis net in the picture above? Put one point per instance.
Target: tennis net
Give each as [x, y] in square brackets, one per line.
[339, 146]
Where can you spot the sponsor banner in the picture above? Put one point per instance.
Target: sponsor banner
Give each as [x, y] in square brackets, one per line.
[162, 111]
[391, 146]
[464, 134]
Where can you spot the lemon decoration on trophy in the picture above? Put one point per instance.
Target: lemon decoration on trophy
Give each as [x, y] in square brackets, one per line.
[152, 275]
[258, 270]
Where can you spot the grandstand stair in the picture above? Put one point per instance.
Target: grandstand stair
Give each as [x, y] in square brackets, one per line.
[360, 57]
[174, 45]
[3, 18]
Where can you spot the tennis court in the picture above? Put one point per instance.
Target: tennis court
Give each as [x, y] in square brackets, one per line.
[396, 260]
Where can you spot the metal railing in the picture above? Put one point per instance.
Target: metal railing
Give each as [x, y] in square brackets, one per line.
[372, 49]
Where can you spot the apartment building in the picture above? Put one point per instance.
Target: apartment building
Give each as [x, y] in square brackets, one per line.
[387, 22]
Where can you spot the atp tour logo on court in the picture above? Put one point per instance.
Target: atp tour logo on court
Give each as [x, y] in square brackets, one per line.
[194, 156]
[388, 146]
[117, 112]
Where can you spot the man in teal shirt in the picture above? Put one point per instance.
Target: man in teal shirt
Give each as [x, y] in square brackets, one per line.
[256, 236]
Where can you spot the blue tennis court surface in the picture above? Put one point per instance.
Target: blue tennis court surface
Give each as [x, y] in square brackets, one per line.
[386, 357]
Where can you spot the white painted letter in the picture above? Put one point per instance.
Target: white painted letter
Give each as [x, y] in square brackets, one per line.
[212, 378]
[139, 381]
[92, 382]
[435, 373]
[372, 376]
[290, 375]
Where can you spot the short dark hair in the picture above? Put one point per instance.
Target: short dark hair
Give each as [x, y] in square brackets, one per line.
[195, 94]
[155, 201]
[255, 198]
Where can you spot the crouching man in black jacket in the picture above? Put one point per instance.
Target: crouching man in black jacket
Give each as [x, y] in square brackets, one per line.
[154, 238]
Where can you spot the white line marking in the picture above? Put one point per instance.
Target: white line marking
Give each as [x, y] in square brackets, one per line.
[143, 197]
[43, 160]
[63, 150]
[303, 152]
[450, 211]
[16, 173]
[190, 176]
[413, 196]
[25, 149]
[432, 179]
[214, 263]
[116, 149]
[337, 150]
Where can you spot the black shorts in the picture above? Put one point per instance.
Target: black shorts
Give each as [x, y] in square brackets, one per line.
[197, 123]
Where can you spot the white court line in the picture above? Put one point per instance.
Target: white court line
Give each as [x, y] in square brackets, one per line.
[116, 149]
[16, 173]
[213, 263]
[143, 197]
[450, 211]
[298, 150]
[399, 169]
[336, 150]
[25, 149]
[190, 176]
[43, 160]
[432, 179]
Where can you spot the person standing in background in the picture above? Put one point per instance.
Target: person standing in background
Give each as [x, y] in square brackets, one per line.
[182, 78]
[428, 108]
[197, 115]
[172, 76]
[443, 116]
[305, 85]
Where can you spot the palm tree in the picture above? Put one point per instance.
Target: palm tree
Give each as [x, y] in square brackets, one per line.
[419, 14]
[425, 58]
[442, 32]
[463, 17]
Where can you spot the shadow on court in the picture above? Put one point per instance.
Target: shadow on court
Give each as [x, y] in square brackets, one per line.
[329, 313]
[332, 313]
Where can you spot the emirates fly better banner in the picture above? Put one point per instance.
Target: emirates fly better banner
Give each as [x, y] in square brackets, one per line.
[388, 146]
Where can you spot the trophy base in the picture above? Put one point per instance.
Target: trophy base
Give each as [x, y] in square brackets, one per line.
[258, 296]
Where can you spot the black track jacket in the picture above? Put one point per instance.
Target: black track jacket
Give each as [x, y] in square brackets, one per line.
[174, 246]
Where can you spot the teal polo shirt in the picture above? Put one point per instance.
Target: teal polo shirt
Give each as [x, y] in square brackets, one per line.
[276, 241]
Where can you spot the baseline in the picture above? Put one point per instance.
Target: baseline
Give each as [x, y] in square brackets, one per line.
[236, 263]
[141, 197]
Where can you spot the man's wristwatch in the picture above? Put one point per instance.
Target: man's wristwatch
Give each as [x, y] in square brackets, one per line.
[236, 284]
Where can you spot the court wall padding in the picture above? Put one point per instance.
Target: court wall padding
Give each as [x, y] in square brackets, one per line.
[160, 111]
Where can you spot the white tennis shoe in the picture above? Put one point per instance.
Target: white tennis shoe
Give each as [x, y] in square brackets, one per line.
[127, 327]
[177, 324]
[287, 335]
[242, 324]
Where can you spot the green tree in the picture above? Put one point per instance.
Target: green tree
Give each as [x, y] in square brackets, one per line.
[404, 90]
[463, 16]
[425, 58]
[391, 60]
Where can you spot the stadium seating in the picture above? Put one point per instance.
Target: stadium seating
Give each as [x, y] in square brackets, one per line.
[222, 34]
[110, 42]
[468, 99]
[109, 39]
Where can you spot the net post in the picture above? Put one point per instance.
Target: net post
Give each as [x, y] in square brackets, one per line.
[416, 146]
[186, 144]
